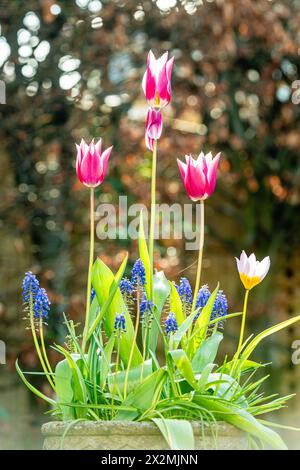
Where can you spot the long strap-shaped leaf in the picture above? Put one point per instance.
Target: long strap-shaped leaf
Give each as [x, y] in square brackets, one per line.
[189, 320]
[113, 289]
[177, 432]
[264, 334]
[32, 388]
[176, 304]
[201, 325]
[239, 417]
[184, 366]
[79, 387]
[64, 389]
[111, 302]
[145, 395]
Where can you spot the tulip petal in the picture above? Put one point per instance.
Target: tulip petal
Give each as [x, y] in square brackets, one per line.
[162, 87]
[151, 62]
[98, 146]
[243, 261]
[78, 163]
[153, 127]
[252, 265]
[149, 85]
[169, 68]
[149, 142]
[195, 181]
[212, 173]
[104, 160]
[160, 63]
[238, 264]
[154, 124]
[182, 168]
[263, 268]
[208, 158]
[91, 168]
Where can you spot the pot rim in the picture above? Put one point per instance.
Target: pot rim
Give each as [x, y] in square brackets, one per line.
[129, 428]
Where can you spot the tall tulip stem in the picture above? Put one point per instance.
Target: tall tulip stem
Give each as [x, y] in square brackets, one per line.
[153, 212]
[238, 352]
[200, 254]
[91, 260]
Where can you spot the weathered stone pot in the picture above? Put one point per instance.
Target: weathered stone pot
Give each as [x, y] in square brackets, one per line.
[126, 435]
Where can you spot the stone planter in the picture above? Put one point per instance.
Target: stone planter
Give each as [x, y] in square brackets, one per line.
[126, 435]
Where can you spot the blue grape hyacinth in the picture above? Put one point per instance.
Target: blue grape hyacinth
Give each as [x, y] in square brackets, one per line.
[41, 304]
[185, 291]
[30, 286]
[220, 307]
[171, 324]
[203, 296]
[35, 297]
[138, 274]
[146, 307]
[126, 287]
[120, 323]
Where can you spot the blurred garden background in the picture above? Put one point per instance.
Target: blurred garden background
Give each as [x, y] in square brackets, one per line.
[73, 69]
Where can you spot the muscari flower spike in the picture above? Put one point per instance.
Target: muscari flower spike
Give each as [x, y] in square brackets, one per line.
[120, 323]
[171, 324]
[220, 307]
[41, 305]
[185, 291]
[203, 296]
[146, 307]
[138, 274]
[30, 286]
[126, 287]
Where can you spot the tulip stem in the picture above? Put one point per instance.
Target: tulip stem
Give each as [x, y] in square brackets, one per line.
[243, 324]
[201, 244]
[91, 260]
[153, 214]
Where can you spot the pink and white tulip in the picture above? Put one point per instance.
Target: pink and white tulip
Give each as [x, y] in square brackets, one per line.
[199, 176]
[154, 126]
[157, 80]
[251, 271]
[91, 163]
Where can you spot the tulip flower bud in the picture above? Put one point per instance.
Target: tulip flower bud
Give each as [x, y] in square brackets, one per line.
[153, 127]
[157, 80]
[199, 176]
[91, 163]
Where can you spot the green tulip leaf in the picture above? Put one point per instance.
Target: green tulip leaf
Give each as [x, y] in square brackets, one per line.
[112, 303]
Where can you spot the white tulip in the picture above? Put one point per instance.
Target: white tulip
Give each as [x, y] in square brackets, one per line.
[251, 271]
